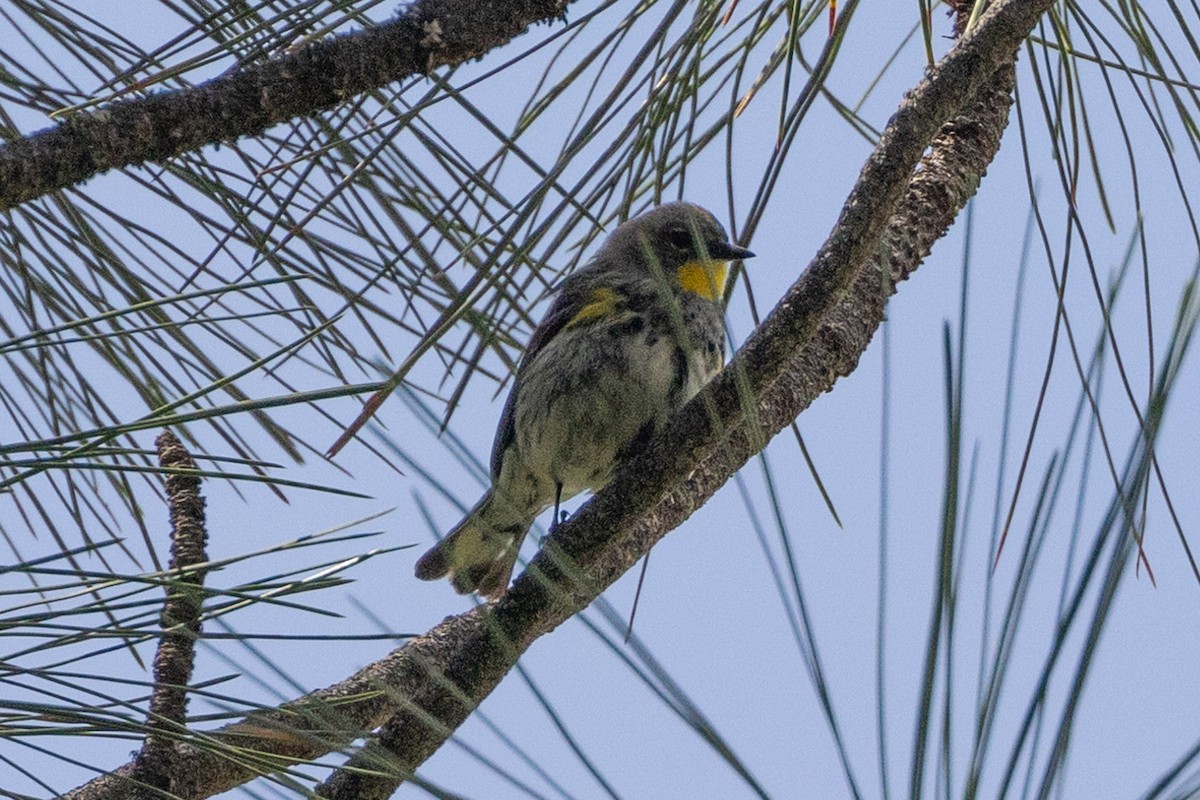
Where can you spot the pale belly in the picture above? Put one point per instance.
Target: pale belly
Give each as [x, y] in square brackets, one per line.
[574, 424]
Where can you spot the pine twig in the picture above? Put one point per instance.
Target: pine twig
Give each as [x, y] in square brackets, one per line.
[175, 658]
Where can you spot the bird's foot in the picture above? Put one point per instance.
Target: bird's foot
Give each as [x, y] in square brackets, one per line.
[560, 517]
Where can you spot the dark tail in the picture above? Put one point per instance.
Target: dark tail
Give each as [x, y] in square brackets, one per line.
[479, 553]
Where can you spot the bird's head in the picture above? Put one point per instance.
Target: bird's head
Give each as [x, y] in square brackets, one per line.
[685, 243]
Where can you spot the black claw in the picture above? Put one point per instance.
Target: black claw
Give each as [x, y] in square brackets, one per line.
[559, 518]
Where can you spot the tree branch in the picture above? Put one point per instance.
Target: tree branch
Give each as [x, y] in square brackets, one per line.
[155, 763]
[428, 34]
[423, 691]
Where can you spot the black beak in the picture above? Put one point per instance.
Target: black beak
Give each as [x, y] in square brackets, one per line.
[728, 251]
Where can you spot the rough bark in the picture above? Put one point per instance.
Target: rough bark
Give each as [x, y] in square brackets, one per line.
[155, 765]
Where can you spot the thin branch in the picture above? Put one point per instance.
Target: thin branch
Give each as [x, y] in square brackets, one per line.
[317, 76]
[423, 691]
[173, 662]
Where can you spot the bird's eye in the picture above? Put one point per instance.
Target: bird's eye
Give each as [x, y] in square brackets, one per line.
[681, 238]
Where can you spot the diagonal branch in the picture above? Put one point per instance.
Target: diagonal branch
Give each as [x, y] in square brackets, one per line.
[426, 35]
[423, 691]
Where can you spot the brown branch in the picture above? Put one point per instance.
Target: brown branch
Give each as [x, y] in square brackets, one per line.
[426, 35]
[423, 691]
[155, 764]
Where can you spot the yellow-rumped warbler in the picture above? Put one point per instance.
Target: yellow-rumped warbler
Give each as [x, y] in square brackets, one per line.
[629, 338]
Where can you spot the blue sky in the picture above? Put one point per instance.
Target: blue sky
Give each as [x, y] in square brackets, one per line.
[710, 611]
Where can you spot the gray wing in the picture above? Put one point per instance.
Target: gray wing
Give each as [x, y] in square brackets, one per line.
[572, 292]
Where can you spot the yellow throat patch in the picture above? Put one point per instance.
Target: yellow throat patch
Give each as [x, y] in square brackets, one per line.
[704, 278]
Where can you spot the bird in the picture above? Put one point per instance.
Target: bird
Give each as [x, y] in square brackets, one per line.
[628, 338]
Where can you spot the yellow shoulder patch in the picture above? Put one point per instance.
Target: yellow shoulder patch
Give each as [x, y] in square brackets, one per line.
[705, 278]
[602, 302]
